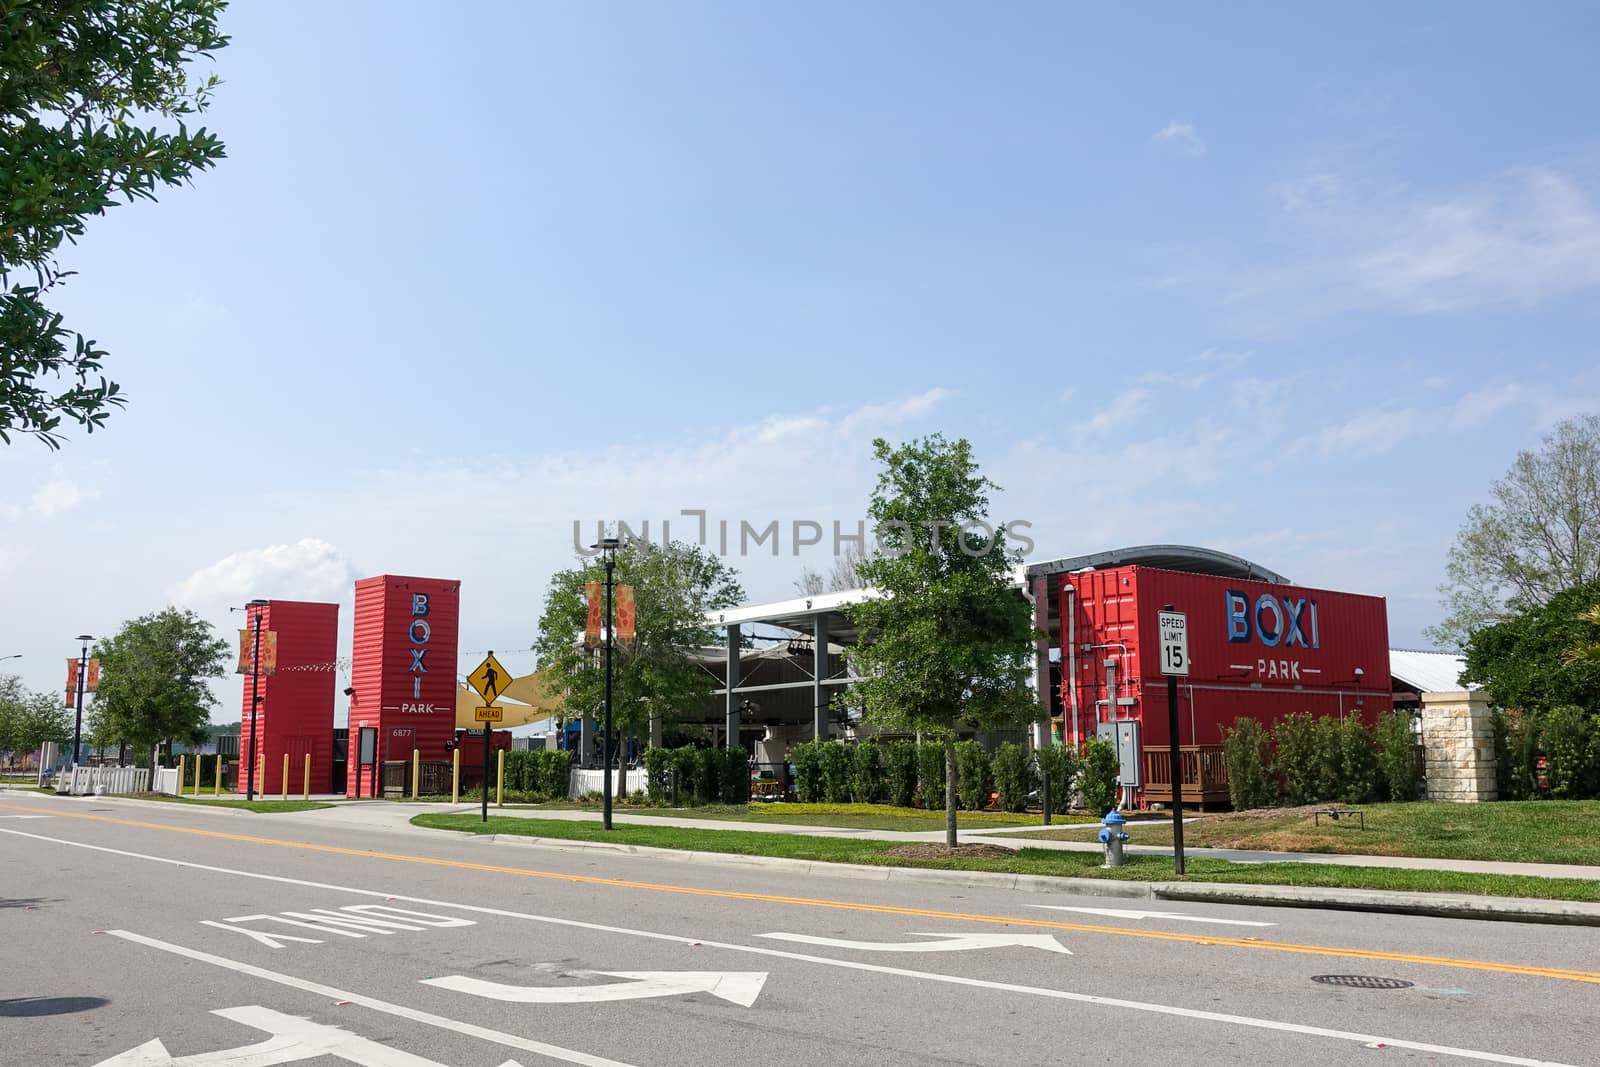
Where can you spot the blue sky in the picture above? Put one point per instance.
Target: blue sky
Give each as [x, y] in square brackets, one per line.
[1292, 283]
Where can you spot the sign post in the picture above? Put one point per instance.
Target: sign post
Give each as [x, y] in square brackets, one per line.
[1174, 639]
[488, 679]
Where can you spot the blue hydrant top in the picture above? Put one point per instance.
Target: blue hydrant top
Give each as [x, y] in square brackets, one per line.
[1113, 818]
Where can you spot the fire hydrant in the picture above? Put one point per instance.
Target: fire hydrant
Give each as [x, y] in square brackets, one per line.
[1112, 835]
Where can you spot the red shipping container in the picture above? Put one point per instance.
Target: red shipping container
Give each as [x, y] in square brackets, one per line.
[403, 671]
[1256, 650]
[296, 709]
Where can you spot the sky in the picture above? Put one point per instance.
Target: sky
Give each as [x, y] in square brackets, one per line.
[1294, 283]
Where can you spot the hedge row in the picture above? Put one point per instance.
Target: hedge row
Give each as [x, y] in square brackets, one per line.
[539, 773]
[693, 776]
[1565, 739]
[1306, 759]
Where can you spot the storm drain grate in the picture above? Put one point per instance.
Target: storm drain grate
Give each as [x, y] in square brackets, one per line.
[1362, 981]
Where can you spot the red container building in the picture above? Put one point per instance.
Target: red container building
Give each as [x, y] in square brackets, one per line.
[403, 673]
[1256, 649]
[296, 708]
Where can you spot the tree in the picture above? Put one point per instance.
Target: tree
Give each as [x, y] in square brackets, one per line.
[673, 588]
[153, 678]
[1538, 535]
[1526, 661]
[28, 719]
[948, 642]
[844, 574]
[77, 77]
[1585, 651]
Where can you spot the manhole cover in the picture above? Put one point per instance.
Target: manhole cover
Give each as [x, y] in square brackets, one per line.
[1362, 981]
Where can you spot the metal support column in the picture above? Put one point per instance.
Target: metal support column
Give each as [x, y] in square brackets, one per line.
[1042, 737]
[820, 692]
[730, 706]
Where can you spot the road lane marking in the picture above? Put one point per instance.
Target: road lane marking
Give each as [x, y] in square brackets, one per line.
[351, 920]
[293, 1039]
[1561, 973]
[482, 1033]
[853, 965]
[947, 942]
[1130, 913]
[739, 987]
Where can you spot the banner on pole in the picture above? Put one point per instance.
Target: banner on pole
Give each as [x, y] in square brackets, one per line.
[625, 615]
[269, 651]
[92, 683]
[591, 630]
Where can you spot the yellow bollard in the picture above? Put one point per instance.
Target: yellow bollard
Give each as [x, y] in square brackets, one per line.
[416, 772]
[284, 781]
[216, 790]
[261, 771]
[455, 776]
[305, 781]
[500, 782]
[197, 762]
[180, 776]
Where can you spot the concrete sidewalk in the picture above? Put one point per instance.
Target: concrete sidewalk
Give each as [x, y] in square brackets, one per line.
[388, 813]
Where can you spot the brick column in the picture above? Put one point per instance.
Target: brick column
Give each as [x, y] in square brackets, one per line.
[1458, 744]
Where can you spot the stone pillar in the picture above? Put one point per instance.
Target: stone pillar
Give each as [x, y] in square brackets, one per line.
[1458, 745]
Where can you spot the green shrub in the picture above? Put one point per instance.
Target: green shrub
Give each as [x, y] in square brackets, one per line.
[836, 765]
[1357, 762]
[1252, 780]
[931, 775]
[735, 776]
[708, 776]
[1299, 756]
[1097, 777]
[553, 774]
[866, 773]
[685, 775]
[972, 776]
[1568, 738]
[1396, 756]
[658, 774]
[807, 760]
[1060, 765]
[1522, 742]
[902, 768]
[1014, 776]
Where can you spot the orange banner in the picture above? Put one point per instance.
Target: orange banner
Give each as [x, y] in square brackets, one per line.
[269, 651]
[625, 615]
[72, 678]
[591, 630]
[92, 683]
[244, 652]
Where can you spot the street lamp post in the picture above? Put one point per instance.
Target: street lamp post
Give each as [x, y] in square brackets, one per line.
[83, 671]
[608, 549]
[255, 699]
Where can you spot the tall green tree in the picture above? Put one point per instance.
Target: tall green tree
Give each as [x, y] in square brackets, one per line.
[673, 588]
[82, 85]
[153, 679]
[1538, 535]
[948, 640]
[29, 719]
[1527, 661]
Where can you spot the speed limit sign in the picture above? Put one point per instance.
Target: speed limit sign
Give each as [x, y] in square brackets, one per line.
[1174, 630]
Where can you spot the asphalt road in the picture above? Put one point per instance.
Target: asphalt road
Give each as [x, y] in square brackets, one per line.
[142, 934]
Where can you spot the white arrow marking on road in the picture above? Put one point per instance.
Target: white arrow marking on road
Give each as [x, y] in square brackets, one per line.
[1125, 913]
[949, 942]
[741, 987]
[293, 1039]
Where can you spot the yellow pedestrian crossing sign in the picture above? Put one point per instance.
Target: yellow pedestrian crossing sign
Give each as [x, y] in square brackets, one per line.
[489, 679]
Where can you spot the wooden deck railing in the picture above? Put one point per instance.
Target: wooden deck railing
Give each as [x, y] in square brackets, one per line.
[1204, 769]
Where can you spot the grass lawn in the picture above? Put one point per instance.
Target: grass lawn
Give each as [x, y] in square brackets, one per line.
[248, 805]
[1026, 860]
[1533, 831]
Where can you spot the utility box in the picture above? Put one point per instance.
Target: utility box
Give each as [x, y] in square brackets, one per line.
[1124, 733]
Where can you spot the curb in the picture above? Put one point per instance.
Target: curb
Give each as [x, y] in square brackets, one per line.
[1482, 908]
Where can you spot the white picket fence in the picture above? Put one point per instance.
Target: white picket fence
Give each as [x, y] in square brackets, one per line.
[85, 781]
[591, 781]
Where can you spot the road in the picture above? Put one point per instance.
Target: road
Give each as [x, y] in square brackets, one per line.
[144, 934]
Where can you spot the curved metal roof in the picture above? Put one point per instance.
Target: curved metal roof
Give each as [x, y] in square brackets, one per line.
[1189, 558]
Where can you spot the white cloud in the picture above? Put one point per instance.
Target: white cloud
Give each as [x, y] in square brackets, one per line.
[1181, 139]
[309, 569]
[56, 495]
[1123, 409]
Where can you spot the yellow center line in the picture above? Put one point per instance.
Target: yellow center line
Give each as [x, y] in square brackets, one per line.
[1562, 973]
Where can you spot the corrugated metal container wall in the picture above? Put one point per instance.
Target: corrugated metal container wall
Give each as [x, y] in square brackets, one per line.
[404, 669]
[296, 702]
[1256, 650]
